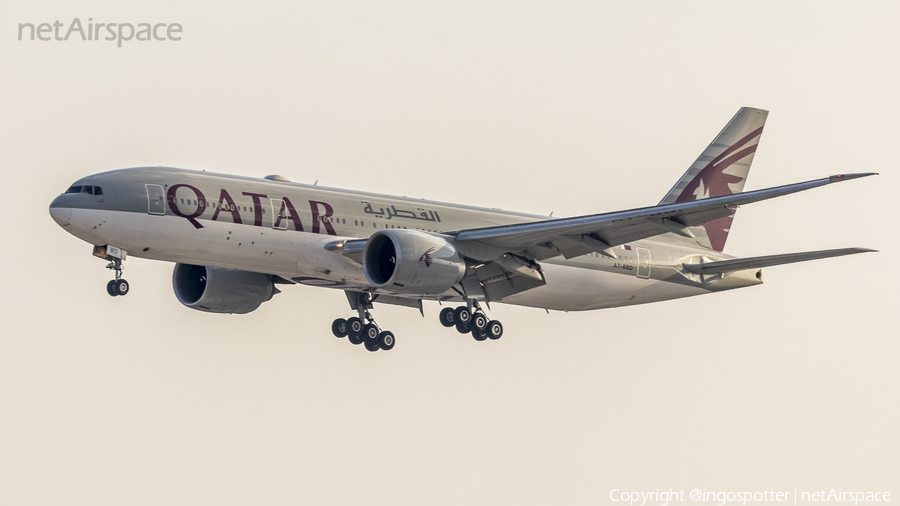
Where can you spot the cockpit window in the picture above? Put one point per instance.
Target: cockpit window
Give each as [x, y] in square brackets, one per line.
[90, 190]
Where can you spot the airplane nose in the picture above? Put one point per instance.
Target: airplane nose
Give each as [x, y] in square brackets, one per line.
[59, 213]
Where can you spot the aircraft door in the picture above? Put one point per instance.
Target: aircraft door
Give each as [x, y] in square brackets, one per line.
[279, 214]
[156, 199]
[643, 270]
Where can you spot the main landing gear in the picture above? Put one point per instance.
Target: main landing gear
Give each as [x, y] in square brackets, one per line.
[468, 321]
[117, 286]
[363, 330]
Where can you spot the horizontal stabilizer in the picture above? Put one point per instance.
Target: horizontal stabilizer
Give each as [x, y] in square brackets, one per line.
[740, 264]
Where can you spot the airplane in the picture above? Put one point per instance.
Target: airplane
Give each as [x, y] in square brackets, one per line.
[234, 239]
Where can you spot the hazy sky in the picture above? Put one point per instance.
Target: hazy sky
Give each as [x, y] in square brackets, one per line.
[570, 107]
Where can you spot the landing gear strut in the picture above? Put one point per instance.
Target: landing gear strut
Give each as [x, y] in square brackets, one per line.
[362, 329]
[471, 319]
[117, 286]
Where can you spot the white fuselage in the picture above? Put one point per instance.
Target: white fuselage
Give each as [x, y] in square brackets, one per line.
[282, 228]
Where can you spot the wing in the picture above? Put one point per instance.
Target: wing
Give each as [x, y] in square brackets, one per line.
[600, 232]
[508, 255]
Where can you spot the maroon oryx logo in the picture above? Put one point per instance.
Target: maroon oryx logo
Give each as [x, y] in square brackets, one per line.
[426, 257]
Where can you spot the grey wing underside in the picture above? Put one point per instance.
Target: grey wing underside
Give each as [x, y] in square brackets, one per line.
[509, 253]
[581, 235]
[600, 232]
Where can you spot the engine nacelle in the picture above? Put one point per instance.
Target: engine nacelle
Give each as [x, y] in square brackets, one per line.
[410, 261]
[216, 290]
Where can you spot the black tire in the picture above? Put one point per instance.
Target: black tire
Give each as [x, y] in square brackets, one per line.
[370, 334]
[354, 330]
[495, 329]
[355, 326]
[121, 287]
[479, 322]
[463, 315]
[111, 288]
[386, 340]
[479, 335]
[462, 328]
[448, 317]
[339, 328]
[371, 346]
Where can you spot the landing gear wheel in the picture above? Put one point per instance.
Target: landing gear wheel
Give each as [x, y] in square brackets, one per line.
[479, 335]
[370, 337]
[354, 330]
[448, 317]
[354, 326]
[479, 322]
[111, 288]
[495, 329]
[386, 340]
[462, 328]
[121, 287]
[339, 328]
[463, 315]
[370, 333]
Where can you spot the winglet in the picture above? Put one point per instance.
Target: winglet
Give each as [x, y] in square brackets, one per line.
[845, 177]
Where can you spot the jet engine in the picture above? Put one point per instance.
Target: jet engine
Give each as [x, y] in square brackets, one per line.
[216, 290]
[410, 261]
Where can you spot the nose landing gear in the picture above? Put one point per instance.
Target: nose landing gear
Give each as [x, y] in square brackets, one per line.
[117, 286]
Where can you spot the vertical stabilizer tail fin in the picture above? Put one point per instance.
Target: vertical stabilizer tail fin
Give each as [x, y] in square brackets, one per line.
[720, 170]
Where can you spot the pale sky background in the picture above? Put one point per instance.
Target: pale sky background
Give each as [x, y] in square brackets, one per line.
[570, 107]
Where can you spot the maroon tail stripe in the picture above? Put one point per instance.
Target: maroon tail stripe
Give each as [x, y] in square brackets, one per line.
[737, 156]
[737, 145]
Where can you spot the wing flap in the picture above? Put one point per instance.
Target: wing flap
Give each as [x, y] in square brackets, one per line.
[740, 264]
